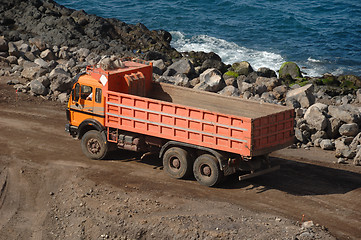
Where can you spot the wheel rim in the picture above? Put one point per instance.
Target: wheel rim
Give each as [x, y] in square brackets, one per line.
[93, 146]
[175, 163]
[206, 170]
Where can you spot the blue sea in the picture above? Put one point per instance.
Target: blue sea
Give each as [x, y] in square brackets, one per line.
[322, 36]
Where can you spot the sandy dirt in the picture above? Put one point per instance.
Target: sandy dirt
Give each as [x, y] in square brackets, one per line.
[50, 190]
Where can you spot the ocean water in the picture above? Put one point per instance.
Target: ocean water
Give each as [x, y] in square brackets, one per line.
[321, 36]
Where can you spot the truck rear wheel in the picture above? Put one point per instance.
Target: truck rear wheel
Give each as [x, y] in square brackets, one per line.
[177, 162]
[206, 170]
[94, 146]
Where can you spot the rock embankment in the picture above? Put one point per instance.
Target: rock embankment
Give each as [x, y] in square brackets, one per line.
[45, 45]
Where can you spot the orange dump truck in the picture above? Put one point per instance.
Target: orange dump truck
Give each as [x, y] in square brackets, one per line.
[197, 132]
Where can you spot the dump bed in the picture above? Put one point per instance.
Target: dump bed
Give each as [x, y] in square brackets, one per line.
[201, 118]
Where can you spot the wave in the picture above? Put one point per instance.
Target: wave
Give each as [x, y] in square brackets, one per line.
[230, 52]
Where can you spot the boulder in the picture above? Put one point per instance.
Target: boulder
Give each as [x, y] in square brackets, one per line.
[270, 83]
[326, 144]
[183, 66]
[319, 135]
[316, 118]
[83, 52]
[290, 70]
[178, 80]
[31, 72]
[242, 68]
[247, 87]
[303, 95]
[39, 43]
[280, 91]
[60, 80]
[159, 66]
[229, 91]
[211, 80]
[266, 72]
[342, 113]
[299, 135]
[332, 128]
[342, 150]
[38, 88]
[213, 63]
[41, 63]
[47, 55]
[63, 97]
[3, 45]
[357, 159]
[110, 63]
[13, 50]
[349, 129]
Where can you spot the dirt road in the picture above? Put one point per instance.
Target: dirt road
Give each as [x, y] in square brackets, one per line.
[50, 190]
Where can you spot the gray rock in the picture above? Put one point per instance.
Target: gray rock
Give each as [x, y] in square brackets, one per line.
[260, 89]
[3, 45]
[266, 72]
[24, 48]
[342, 150]
[60, 80]
[280, 91]
[333, 125]
[229, 91]
[303, 95]
[358, 95]
[83, 52]
[342, 113]
[270, 83]
[247, 95]
[47, 55]
[299, 136]
[326, 144]
[289, 69]
[183, 66]
[63, 97]
[30, 56]
[178, 80]
[13, 50]
[317, 142]
[356, 142]
[159, 67]
[316, 118]
[268, 96]
[240, 80]
[247, 87]
[30, 73]
[319, 135]
[39, 43]
[321, 106]
[342, 160]
[357, 159]
[242, 68]
[211, 80]
[40, 62]
[349, 129]
[12, 59]
[38, 88]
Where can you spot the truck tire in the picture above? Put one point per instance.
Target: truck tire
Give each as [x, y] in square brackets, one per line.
[177, 162]
[93, 145]
[206, 170]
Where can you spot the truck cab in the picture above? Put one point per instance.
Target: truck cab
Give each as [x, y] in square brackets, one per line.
[86, 104]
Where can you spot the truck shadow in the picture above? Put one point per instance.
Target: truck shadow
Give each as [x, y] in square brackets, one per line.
[300, 179]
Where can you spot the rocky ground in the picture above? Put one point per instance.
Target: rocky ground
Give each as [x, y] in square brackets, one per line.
[45, 45]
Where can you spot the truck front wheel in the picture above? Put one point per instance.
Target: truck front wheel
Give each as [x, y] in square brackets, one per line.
[177, 162]
[206, 170]
[93, 145]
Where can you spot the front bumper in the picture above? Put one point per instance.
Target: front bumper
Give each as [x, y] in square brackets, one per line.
[72, 130]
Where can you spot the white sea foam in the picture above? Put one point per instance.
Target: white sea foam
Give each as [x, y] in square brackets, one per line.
[231, 52]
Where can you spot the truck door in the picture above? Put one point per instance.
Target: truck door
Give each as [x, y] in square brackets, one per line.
[82, 104]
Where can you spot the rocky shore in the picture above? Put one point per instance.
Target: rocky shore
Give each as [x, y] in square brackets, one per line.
[44, 45]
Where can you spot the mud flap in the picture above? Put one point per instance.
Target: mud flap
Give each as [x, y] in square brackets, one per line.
[258, 173]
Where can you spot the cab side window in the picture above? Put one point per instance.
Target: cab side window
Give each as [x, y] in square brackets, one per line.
[86, 92]
[98, 95]
[75, 93]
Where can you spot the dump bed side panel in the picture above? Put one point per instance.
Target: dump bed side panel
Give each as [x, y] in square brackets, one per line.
[177, 122]
[272, 132]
